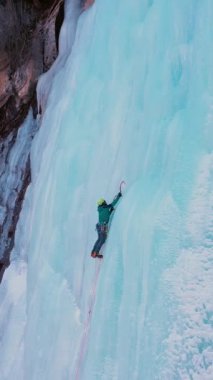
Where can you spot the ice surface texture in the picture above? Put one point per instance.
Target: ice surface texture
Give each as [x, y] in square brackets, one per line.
[133, 100]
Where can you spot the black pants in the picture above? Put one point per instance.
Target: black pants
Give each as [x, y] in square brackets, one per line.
[102, 230]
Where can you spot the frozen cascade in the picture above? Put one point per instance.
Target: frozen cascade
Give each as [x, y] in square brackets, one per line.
[133, 100]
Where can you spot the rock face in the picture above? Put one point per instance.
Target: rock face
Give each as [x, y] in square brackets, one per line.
[28, 48]
[29, 32]
[14, 179]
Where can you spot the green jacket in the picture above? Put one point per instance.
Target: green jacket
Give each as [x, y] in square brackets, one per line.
[105, 210]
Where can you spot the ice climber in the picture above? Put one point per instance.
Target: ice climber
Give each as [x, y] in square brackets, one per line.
[104, 212]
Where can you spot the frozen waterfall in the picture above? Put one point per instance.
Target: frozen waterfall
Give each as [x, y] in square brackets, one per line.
[132, 100]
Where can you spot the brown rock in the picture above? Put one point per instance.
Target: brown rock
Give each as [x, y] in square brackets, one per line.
[28, 47]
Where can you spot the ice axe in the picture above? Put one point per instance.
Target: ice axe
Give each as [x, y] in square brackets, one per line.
[123, 183]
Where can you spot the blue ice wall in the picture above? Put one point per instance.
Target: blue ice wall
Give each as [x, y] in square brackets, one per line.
[133, 101]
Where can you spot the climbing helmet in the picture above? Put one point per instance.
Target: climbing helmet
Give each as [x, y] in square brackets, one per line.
[101, 201]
